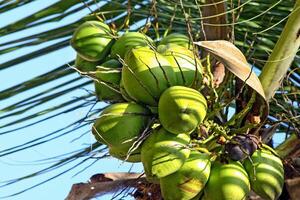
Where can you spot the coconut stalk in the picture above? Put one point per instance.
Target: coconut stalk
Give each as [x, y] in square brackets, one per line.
[278, 64]
[289, 146]
[282, 55]
[212, 30]
[212, 18]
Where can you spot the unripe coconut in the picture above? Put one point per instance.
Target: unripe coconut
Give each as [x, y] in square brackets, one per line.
[164, 153]
[124, 93]
[123, 154]
[266, 174]
[227, 182]
[91, 40]
[146, 75]
[128, 41]
[120, 124]
[187, 67]
[108, 85]
[181, 109]
[176, 38]
[84, 65]
[198, 197]
[189, 180]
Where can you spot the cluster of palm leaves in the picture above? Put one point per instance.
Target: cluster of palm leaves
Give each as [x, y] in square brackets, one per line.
[253, 26]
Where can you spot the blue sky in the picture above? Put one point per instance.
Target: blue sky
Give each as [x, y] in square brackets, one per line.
[23, 163]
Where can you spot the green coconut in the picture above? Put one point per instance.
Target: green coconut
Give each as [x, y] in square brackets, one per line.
[227, 182]
[92, 40]
[198, 197]
[85, 65]
[120, 124]
[187, 67]
[176, 38]
[124, 93]
[189, 180]
[266, 174]
[181, 109]
[146, 75]
[164, 153]
[128, 41]
[108, 85]
[123, 154]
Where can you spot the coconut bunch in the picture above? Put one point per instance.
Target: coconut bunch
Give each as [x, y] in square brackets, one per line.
[155, 114]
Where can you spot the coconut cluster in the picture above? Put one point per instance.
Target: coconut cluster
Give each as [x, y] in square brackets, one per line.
[153, 89]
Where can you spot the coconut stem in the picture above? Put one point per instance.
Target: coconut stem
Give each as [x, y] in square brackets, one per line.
[237, 119]
[282, 55]
[288, 146]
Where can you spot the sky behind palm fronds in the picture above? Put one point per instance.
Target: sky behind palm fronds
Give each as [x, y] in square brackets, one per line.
[25, 162]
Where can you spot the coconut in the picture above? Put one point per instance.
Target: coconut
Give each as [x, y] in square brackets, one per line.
[85, 65]
[266, 174]
[198, 197]
[108, 85]
[227, 182]
[146, 75]
[164, 153]
[187, 67]
[124, 93]
[120, 124]
[189, 180]
[128, 41]
[123, 154]
[91, 40]
[176, 38]
[181, 109]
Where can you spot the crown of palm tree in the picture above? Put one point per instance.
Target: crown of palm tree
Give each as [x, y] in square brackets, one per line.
[253, 26]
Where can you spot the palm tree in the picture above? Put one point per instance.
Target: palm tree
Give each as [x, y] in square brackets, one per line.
[255, 27]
